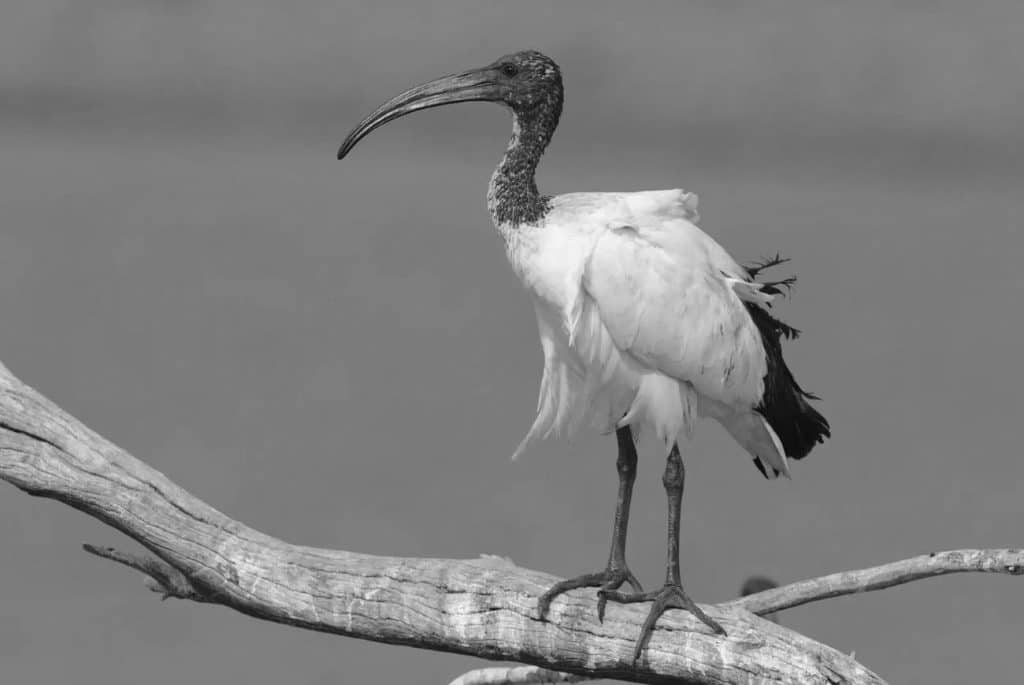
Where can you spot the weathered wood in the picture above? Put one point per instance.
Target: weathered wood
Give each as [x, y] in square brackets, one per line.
[1005, 561]
[516, 675]
[484, 607]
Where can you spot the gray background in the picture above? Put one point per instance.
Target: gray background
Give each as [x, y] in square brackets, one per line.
[337, 353]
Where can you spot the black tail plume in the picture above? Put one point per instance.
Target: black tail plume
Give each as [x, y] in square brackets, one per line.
[785, 404]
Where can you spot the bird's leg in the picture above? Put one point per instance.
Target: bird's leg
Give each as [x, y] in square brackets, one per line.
[616, 572]
[672, 595]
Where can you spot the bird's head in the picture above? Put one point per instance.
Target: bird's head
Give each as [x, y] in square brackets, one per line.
[527, 82]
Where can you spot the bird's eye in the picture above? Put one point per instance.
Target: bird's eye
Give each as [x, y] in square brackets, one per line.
[510, 70]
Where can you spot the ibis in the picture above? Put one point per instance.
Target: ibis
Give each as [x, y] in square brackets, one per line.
[646, 323]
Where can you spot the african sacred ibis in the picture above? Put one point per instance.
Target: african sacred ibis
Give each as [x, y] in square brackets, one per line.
[645, 320]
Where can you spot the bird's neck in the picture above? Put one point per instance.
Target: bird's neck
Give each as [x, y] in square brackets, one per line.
[513, 198]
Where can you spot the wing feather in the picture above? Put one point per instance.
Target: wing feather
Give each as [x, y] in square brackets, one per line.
[671, 297]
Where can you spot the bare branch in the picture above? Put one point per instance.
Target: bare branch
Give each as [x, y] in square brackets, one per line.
[165, 579]
[755, 584]
[1008, 561]
[484, 608]
[518, 675]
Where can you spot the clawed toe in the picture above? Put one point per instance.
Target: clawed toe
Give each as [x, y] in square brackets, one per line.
[609, 580]
[671, 596]
[611, 587]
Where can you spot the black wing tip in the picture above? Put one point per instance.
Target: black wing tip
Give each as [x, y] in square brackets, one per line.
[781, 287]
[755, 268]
[785, 404]
[760, 467]
[808, 429]
[764, 472]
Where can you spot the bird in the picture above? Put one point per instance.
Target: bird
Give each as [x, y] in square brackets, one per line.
[646, 322]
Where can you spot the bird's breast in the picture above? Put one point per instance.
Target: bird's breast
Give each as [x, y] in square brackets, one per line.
[550, 263]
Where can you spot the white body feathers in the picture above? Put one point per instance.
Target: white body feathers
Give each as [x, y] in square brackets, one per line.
[641, 320]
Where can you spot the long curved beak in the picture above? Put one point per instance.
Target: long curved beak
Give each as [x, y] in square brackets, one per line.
[475, 85]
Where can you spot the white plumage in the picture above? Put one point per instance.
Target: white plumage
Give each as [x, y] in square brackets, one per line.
[641, 321]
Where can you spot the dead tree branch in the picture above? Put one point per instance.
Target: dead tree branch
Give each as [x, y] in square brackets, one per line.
[484, 607]
[1006, 561]
[161, 576]
[516, 675]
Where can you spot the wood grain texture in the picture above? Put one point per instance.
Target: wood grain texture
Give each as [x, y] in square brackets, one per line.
[1005, 561]
[484, 607]
[517, 675]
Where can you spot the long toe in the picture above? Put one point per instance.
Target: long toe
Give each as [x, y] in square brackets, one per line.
[669, 597]
[611, 578]
[617, 578]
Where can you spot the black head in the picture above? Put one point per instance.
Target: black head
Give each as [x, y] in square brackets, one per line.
[528, 82]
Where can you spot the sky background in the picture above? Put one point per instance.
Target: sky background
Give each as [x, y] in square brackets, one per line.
[337, 353]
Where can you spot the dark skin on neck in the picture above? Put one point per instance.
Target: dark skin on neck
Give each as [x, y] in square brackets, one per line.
[513, 196]
[530, 84]
[516, 200]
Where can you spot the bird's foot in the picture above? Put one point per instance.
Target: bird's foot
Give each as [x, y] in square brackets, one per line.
[671, 596]
[608, 580]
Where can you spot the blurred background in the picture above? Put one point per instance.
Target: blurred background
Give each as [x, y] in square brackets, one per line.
[337, 354]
